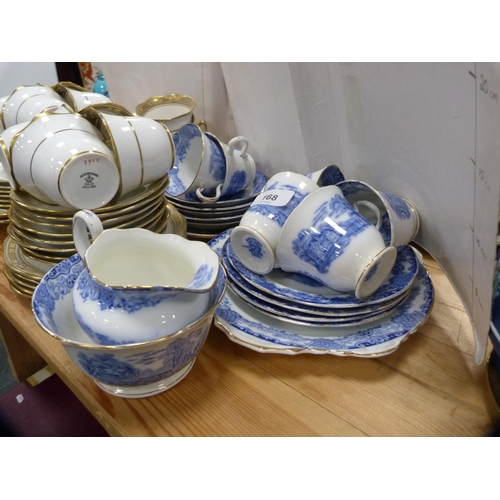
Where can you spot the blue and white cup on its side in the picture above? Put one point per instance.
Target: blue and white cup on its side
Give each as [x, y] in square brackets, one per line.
[199, 165]
[394, 216]
[255, 239]
[327, 176]
[324, 238]
[239, 165]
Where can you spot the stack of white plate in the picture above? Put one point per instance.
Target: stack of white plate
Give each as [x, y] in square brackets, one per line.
[205, 220]
[40, 235]
[289, 313]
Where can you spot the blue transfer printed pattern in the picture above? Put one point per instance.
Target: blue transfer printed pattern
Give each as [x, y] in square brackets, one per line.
[254, 247]
[175, 185]
[372, 272]
[323, 245]
[402, 321]
[237, 183]
[399, 280]
[217, 167]
[133, 370]
[279, 214]
[385, 228]
[114, 298]
[182, 143]
[120, 367]
[57, 283]
[329, 177]
[398, 205]
[203, 278]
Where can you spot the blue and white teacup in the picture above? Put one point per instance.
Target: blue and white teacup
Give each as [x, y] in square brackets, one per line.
[324, 238]
[199, 165]
[394, 216]
[239, 165]
[255, 239]
[327, 176]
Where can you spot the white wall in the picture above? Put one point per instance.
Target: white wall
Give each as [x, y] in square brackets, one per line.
[17, 74]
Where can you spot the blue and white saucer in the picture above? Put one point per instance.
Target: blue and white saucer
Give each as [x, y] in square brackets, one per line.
[311, 320]
[237, 199]
[249, 327]
[296, 288]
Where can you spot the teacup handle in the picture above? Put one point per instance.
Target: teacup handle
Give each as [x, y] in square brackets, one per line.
[359, 205]
[85, 222]
[235, 140]
[202, 197]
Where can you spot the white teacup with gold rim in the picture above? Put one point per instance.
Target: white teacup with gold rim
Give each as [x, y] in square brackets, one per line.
[79, 100]
[6, 140]
[38, 104]
[74, 168]
[2, 100]
[156, 146]
[28, 138]
[11, 106]
[173, 110]
[111, 120]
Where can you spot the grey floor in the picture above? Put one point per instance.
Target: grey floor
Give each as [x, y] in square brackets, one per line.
[7, 379]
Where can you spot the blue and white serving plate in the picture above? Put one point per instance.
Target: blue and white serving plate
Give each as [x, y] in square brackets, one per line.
[240, 198]
[257, 296]
[294, 287]
[244, 325]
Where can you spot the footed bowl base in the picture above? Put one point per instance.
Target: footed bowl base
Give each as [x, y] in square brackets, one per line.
[144, 391]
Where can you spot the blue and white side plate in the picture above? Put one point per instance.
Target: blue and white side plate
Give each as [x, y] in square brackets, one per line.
[303, 290]
[245, 325]
[240, 198]
[311, 320]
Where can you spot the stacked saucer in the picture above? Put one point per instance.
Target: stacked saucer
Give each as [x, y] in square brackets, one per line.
[205, 220]
[4, 196]
[41, 235]
[288, 313]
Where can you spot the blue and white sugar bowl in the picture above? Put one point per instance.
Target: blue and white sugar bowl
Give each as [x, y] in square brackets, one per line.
[137, 285]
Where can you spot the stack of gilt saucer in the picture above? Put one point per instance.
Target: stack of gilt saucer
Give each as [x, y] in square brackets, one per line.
[288, 313]
[205, 220]
[4, 196]
[40, 235]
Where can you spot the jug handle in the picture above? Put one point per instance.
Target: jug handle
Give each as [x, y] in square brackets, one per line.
[236, 140]
[85, 222]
